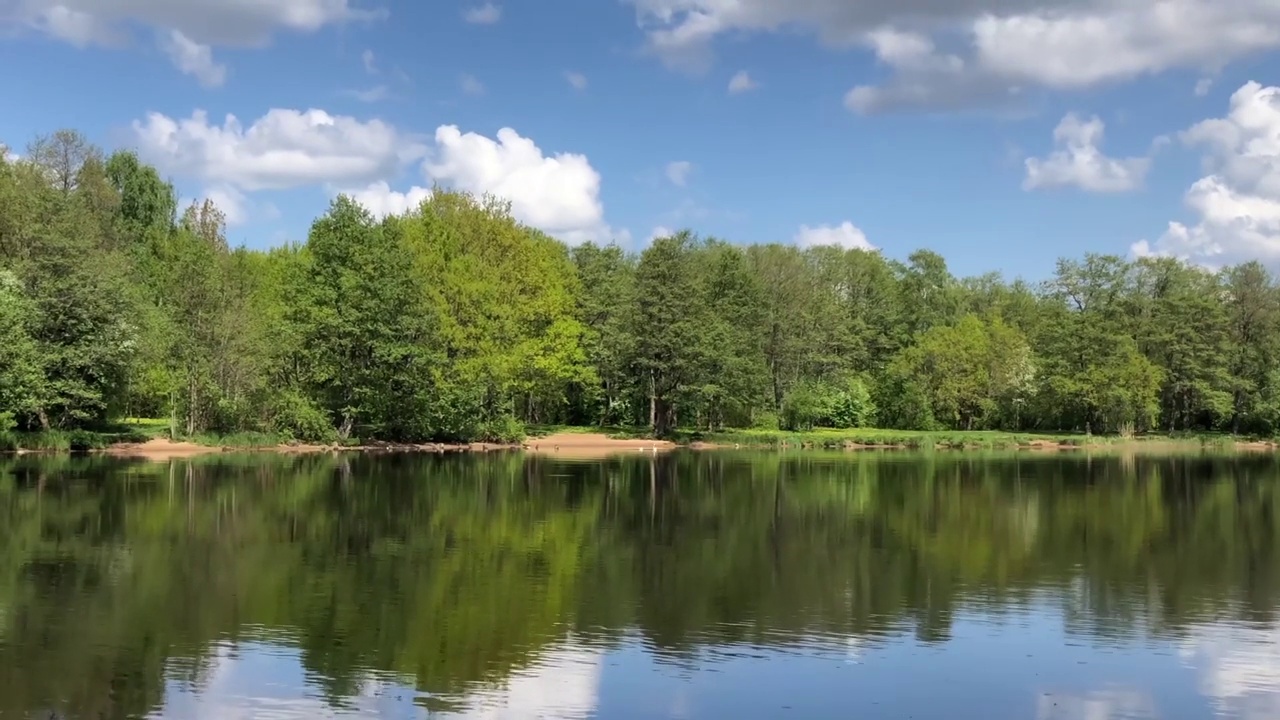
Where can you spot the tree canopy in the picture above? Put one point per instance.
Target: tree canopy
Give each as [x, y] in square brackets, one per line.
[456, 321]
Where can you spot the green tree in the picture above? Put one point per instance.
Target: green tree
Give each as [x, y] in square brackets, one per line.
[605, 306]
[20, 371]
[364, 327]
[1253, 346]
[668, 326]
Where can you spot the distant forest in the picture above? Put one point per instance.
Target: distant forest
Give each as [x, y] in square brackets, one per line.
[455, 321]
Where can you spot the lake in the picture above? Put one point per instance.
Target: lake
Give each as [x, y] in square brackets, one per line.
[684, 586]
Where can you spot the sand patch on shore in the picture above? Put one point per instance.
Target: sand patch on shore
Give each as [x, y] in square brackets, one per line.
[593, 445]
[159, 448]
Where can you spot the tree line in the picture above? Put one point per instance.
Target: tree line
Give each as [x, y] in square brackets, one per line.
[454, 321]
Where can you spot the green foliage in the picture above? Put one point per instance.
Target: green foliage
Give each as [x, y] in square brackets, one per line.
[605, 305]
[298, 417]
[853, 407]
[812, 404]
[971, 372]
[454, 321]
[504, 429]
[806, 405]
[903, 403]
[766, 420]
[21, 375]
[365, 334]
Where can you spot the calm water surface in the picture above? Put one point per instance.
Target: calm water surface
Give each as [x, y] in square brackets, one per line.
[691, 586]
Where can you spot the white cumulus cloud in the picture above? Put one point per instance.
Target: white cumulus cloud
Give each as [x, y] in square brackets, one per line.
[661, 231]
[370, 62]
[193, 59]
[233, 204]
[377, 93]
[236, 207]
[486, 14]
[1237, 203]
[382, 201]
[188, 30]
[76, 27]
[678, 172]
[1079, 161]
[559, 194]
[282, 149]
[209, 22]
[471, 85]
[576, 79]
[845, 235]
[995, 49]
[741, 82]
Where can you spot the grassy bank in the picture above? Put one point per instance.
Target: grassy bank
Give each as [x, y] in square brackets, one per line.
[142, 430]
[133, 430]
[69, 440]
[829, 438]
[976, 439]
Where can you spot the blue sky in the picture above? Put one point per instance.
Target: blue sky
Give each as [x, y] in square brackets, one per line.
[1001, 133]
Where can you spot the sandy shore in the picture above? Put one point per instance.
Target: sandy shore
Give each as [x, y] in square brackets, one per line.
[159, 449]
[163, 449]
[592, 445]
[571, 446]
[574, 445]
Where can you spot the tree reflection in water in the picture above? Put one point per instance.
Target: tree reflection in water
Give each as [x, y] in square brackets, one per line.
[485, 584]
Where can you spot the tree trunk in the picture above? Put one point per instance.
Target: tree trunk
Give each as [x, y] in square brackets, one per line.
[191, 406]
[344, 431]
[1235, 413]
[777, 387]
[666, 418]
[653, 402]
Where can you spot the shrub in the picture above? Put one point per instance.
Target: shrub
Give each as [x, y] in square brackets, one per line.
[301, 419]
[853, 407]
[765, 421]
[503, 429]
[805, 406]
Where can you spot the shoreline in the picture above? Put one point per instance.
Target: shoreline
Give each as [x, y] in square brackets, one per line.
[595, 445]
[1038, 445]
[570, 445]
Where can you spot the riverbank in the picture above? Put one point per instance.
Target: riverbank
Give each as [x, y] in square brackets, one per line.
[876, 439]
[586, 443]
[163, 448]
[561, 444]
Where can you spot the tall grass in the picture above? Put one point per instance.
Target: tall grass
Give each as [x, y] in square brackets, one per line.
[238, 440]
[67, 440]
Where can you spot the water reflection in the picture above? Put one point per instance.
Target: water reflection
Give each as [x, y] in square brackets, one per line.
[1237, 667]
[269, 681]
[263, 680]
[1106, 704]
[690, 586]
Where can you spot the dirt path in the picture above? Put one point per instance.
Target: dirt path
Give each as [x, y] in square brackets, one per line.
[592, 445]
[160, 449]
